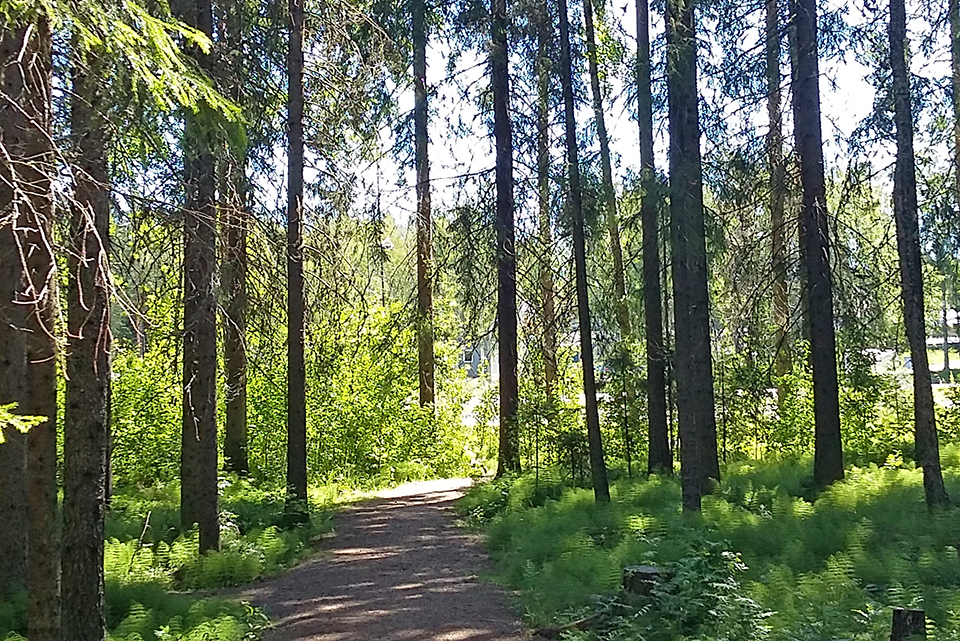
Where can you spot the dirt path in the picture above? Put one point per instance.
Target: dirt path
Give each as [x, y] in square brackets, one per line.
[397, 569]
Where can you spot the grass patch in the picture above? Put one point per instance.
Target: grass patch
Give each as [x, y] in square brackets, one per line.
[760, 562]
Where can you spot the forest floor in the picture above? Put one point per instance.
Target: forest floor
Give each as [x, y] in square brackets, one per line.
[397, 568]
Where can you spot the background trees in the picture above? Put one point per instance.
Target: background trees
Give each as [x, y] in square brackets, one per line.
[358, 288]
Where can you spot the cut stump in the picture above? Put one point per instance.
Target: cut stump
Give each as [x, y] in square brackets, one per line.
[908, 625]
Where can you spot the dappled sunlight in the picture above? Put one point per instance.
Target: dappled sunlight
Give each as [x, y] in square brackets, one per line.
[840, 559]
[396, 569]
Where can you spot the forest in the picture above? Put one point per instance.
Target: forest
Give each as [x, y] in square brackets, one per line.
[676, 282]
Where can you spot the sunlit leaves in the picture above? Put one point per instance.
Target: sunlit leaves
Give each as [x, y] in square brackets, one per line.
[18, 422]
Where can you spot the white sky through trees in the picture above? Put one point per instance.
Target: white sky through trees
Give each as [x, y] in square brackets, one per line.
[461, 140]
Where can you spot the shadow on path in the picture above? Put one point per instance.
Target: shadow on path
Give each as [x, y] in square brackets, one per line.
[397, 569]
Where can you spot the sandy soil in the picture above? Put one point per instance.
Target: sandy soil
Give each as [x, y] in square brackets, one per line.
[397, 569]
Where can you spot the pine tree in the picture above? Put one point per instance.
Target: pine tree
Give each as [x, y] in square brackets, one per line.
[233, 192]
[598, 468]
[777, 184]
[695, 402]
[86, 417]
[911, 267]
[297, 508]
[198, 462]
[424, 224]
[815, 242]
[509, 456]
[613, 227]
[660, 458]
[28, 205]
[547, 294]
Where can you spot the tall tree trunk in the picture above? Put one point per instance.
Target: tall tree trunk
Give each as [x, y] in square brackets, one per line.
[911, 268]
[778, 186]
[695, 402]
[660, 458]
[509, 456]
[828, 451]
[613, 223]
[198, 464]
[29, 161]
[297, 507]
[543, 65]
[88, 360]
[804, 295]
[13, 350]
[234, 265]
[953, 9]
[598, 468]
[234, 335]
[424, 223]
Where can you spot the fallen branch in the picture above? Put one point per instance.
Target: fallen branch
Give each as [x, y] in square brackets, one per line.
[580, 624]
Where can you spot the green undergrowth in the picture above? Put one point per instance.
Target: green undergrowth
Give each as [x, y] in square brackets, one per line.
[760, 562]
[153, 569]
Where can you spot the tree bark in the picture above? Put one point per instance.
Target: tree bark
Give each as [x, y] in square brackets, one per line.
[297, 507]
[777, 184]
[29, 208]
[509, 456]
[953, 9]
[234, 276]
[946, 328]
[424, 223]
[88, 360]
[828, 451]
[13, 350]
[613, 224]
[543, 65]
[911, 267]
[598, 468]
[660, 458]
[198, 464]
[695, 402]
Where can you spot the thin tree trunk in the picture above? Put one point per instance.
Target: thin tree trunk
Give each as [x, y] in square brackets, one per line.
[804, 302]
[828, 451]
[424, 223]
[234, 335]
[946, 331]
[234, 266]
[778, 186]
[509, 456]
[953, 8]
[598, 468]
[911, 268]
[29, 161]
[660, 458]
[543, 65]
[88, 361]
[198, 465]
[13, 350]
[613, 223]
[297, 507]
[695, 402]
[670, 360]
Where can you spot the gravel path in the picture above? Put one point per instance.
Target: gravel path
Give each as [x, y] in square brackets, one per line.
[397, 569]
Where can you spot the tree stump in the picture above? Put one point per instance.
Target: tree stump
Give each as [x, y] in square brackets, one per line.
[908, 625]
[641, 579]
